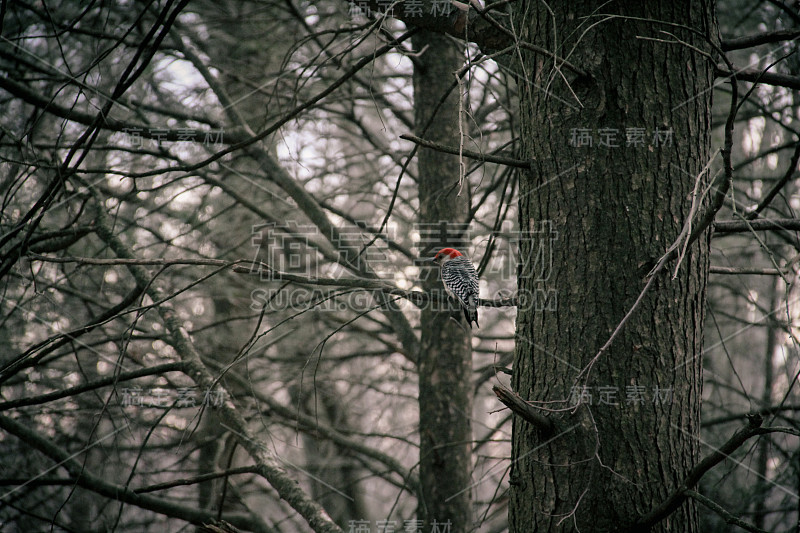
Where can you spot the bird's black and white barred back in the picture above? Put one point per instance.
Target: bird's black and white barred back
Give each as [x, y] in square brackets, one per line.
[460, 280]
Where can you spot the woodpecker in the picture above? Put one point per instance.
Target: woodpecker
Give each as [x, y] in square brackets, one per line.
[460, 281]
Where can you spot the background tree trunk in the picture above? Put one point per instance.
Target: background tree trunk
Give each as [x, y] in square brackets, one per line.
[445, 359]
[616, 210]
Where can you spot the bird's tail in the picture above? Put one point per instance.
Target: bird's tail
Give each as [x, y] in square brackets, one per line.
[471, 311]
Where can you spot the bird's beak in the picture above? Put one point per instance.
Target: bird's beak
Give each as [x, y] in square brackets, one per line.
[432, 260]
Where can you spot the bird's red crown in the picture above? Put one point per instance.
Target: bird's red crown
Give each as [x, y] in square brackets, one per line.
[450, 252]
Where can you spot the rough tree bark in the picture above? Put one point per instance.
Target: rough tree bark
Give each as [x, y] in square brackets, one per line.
[445, 360]
[616, 209]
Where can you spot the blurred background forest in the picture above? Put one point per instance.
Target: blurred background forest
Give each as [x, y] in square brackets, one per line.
[148, 149]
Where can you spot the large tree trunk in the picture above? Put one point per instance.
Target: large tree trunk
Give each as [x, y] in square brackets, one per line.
[616, 210]
[445, 359]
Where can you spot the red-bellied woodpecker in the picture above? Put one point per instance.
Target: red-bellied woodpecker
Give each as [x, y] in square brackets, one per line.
[460, 281]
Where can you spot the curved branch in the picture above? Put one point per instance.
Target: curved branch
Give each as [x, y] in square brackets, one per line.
[773, 192]
[24, 93]
[176, 366]
[110, 490]
[676, 499]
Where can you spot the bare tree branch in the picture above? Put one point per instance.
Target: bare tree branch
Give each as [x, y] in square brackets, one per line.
[748, 41]
[488, 158]
[514, 401]
[756, 75]
[722, 227]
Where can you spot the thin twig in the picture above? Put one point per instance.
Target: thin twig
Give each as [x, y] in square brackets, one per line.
[721, 511]
[267, 273]
[488, 158]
